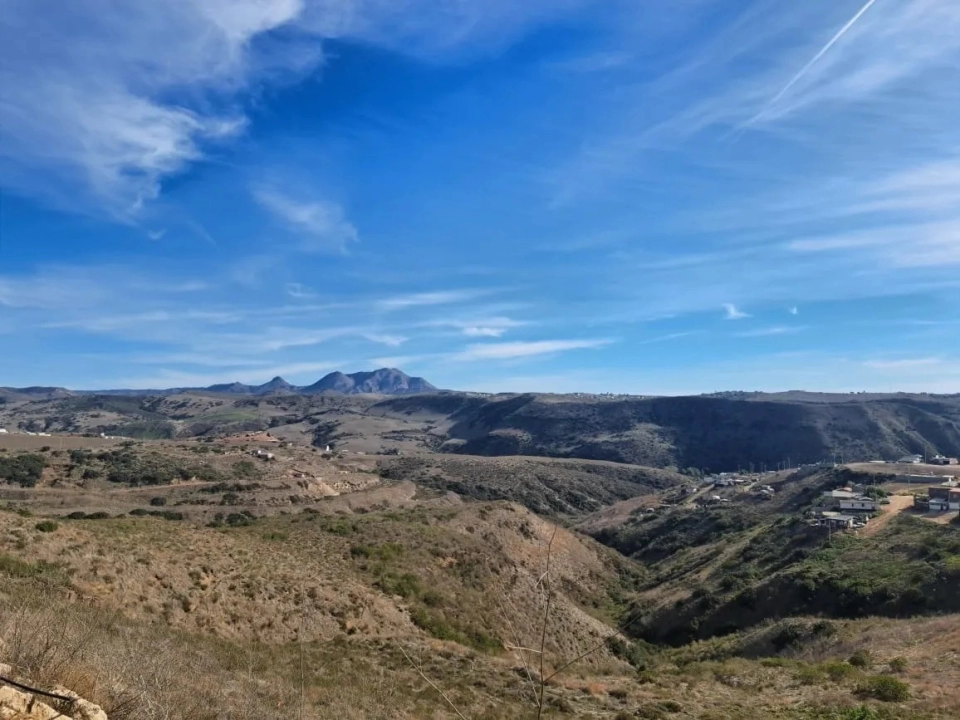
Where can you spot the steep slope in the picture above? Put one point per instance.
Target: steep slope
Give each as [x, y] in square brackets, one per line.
[726, 567]
[716, 433]
[545, 486]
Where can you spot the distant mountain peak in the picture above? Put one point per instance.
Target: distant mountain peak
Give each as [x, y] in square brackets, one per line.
[385, 381]
[276, 385]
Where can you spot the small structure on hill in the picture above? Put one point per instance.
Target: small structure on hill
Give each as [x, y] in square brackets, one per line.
[839, 522]
[943, 498]
[847, 500]
[911, 460]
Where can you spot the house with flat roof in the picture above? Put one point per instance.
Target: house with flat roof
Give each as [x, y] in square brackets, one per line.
[944, 498]
[840, 495]
[860, 503]
[839, 522]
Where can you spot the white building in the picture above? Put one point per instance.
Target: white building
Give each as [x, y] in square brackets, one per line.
[3, 431]
[911, 459]
[861, 503]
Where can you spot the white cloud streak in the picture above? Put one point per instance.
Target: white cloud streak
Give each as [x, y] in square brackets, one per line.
[321, 224]
[731, 312]
[771, 331]
[813, 61]
[426, 299]
[514, 350]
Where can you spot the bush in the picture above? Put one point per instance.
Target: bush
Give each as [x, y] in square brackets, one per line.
[406, 585]
[809, 675]
[47, 526]
[885, 688]
[861, 712]
[24, 470]
[898, 664]
[838, 671]
[80, 515]
[861, 659]
[158, 501]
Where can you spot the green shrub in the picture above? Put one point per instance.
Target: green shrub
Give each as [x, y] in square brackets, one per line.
[885, 687]
[951, 566]
[862, 712]
[47, 526]
[406, 585]
[838, 671]
[861, 659]
[809, 675]
[238, 520]
[158, 501]
[898, 664]
[23, 470]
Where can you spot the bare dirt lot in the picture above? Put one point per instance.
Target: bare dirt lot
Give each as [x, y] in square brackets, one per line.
[898, 503]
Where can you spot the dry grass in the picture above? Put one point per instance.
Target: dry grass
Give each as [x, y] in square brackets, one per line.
[382, 613]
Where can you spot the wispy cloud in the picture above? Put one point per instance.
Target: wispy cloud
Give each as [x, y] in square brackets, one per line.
[321, 224]
[386, 339]
[513, 350]
[903, 363]
[813, 61]
[732, 312]
[770, 331]
[427, 299]
[794, 310]
[298, 291]
[479, 326]
[104, 103]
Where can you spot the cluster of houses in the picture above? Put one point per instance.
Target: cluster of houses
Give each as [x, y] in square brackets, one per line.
[935, 460]
[940, 498]
[846, 509]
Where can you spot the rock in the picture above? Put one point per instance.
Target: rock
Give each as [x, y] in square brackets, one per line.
[81, 709]
[17, 705]
[20, 705]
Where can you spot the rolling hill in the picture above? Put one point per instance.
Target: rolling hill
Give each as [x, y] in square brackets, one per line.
[703, 432]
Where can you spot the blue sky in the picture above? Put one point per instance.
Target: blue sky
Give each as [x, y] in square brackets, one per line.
[555, 195]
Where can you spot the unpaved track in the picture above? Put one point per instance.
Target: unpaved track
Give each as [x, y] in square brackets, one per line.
[898, 503]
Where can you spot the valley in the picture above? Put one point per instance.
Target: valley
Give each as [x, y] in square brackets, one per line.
[456, 555]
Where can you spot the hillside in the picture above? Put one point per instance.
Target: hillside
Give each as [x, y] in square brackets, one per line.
[714, 433]
[722, 568]
[546, 486]
[371, 612]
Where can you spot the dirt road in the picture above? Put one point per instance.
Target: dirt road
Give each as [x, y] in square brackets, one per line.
[898, 503]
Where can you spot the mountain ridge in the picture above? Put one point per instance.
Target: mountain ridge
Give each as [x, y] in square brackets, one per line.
[383, 381]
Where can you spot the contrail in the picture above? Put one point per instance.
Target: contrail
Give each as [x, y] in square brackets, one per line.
[813, 61]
